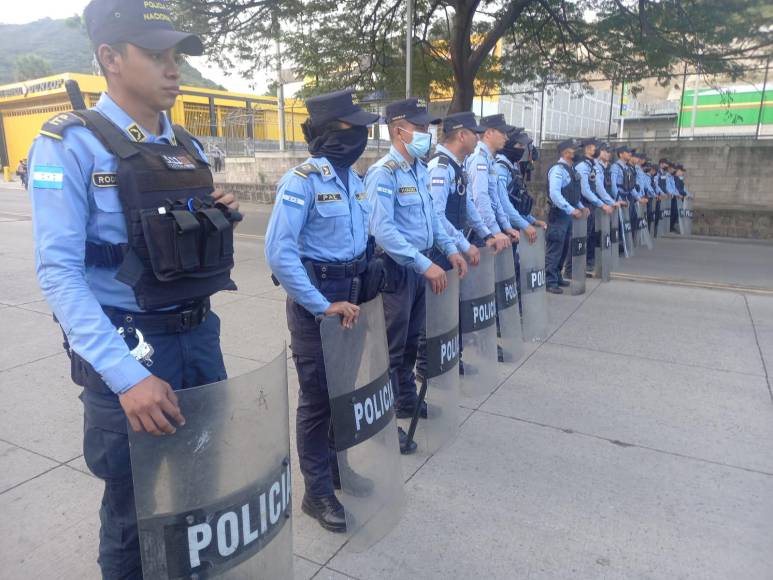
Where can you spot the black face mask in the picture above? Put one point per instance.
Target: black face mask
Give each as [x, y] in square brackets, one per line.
[513, 154]
[342, 147]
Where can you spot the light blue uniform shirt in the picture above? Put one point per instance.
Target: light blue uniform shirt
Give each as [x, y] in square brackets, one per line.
[601, 189]
[406, 222]
[504, 177]
[315, 218]
[67, 211]
[671, 184]
[484, 188]
[558, 178]
[442, 183]
[618, 172]
[644, 182]
[584, 168]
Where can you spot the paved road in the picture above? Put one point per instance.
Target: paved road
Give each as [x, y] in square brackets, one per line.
[633, 443]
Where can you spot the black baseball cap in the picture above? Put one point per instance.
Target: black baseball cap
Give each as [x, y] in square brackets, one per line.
[518, 138]
[464, 120]
[589, 141]
[412, 110]
[337, 106]
[144, 23]
[567, 144]
[623, 149]
[496, 122]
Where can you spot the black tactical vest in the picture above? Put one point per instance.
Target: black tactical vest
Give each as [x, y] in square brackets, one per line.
[608, 178]
[519, 197]
[679, 182]
[570, 191]
[662, 181]
[456, 204]
[180, 242]
[629, 179]
[592, 175]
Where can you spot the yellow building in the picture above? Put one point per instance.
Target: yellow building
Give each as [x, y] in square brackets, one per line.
[25, 106]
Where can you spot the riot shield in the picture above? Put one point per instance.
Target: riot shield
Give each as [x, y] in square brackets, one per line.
[441, 385]
[602, 246]
[627, 231]
[578, 248]
[477, 321]
[509, 320]
[688, 216]
[642, 228]
[614, 238]
[364, 428]
[680, 214]
[652, 219]
[214, 499]
[534, 307]
[664, 226]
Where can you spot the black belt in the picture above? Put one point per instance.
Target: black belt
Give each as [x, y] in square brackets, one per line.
[150, 323]
[340, 270]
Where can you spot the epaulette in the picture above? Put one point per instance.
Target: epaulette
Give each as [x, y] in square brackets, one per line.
[306, 169]
[391, 165]
[58, 124]
[442, 159]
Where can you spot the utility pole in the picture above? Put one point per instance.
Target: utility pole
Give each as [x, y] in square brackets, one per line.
[280, 92]
[694, 102]
[408, 48]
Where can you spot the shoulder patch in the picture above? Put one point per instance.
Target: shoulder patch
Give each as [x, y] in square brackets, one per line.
[293, 200]
[58, 124]
[306, 169]
[481, 167]
[442, 160]
[384, 191]
[47, 177]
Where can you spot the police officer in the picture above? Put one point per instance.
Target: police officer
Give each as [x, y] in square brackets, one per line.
[623, 183]
[509, 181]
[410, 233]
[675, 194]
[316, 246]
[481, 167]
[564, 199]
[586, 169]
[102, 267]
[448, 185]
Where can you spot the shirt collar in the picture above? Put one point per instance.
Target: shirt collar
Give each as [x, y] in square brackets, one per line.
[564, 161]
[401, 161]
[110, 109]
[443, 149]
[483, 148]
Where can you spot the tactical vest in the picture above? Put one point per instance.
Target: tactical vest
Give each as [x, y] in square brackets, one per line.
[629, 179]
[662, 182]
[456, 205]
[679, 183]
[608, 178]
[180, 241]
[519, 197]
[592, 176]
[571, 191]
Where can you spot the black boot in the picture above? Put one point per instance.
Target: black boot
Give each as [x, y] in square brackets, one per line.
[405, 449]
[327, 510]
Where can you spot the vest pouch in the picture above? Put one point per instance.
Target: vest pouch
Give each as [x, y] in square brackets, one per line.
[173, 242]
[216, 238]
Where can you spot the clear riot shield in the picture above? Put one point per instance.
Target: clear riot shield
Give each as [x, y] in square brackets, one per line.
[688, 216]
[534, 307]
[506, 291]
[364, 428]
[214, 499]
[680, 214]
[652, 220]
[477, 321]
[665, 217]
[614, 238]
[627, 230]
[602, 246]
[578, 248]
[441, 386]
[642, 227]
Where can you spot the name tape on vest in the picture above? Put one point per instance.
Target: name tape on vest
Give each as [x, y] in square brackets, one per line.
[178, 162]
[104, 179]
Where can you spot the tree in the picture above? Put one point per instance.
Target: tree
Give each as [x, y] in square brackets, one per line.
[360, 43]
[31, 66]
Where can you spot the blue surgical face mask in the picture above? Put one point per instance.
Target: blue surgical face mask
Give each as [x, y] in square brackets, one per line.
[419, 145]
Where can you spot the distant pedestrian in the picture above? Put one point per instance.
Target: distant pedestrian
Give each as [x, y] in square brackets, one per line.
[21, 171]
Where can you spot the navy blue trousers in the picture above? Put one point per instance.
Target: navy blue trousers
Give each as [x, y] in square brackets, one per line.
[557, 241]
[314, 436]
[183, 360]
[405, 315]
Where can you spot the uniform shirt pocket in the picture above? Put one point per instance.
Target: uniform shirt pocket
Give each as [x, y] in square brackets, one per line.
[109, 217]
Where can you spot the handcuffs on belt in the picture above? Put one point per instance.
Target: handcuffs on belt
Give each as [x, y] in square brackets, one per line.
[143, 351]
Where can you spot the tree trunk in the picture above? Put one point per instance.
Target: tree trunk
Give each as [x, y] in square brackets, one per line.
[461, 49]
[464, 95]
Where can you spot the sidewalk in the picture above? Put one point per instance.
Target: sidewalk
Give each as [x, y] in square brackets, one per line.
[634, 443]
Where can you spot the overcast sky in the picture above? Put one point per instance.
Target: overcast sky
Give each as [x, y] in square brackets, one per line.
[31, 10]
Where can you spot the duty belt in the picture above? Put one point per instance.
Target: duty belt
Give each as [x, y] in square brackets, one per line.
[340, 270]
[150, 323]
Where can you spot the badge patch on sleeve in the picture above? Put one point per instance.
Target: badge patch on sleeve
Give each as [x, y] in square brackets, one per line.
[482, 167]
[48, 177]
[438, 181]
[384, 191]
[293, 200]
[104, 179]
[327, 197]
